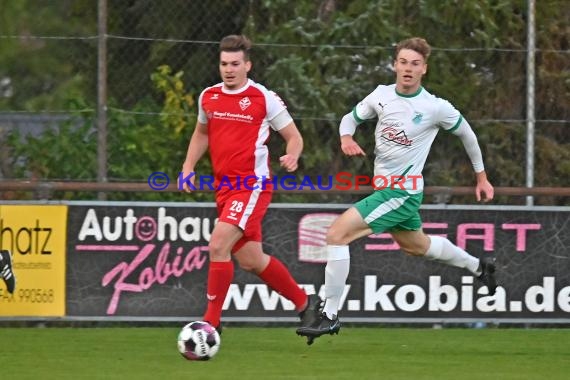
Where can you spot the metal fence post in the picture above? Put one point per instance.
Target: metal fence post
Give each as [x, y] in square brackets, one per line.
[530, 98]
[102, 95]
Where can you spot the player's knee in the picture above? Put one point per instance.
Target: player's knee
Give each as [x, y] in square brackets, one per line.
[248, 266]
[254, 262]
[218, 250]
[336, 236]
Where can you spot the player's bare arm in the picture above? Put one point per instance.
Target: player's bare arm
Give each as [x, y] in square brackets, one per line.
[196, 148]
[294, 147]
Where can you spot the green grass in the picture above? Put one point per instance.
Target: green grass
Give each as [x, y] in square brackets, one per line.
[277, 353]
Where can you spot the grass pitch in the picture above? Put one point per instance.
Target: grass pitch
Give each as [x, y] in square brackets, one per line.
[277, 353]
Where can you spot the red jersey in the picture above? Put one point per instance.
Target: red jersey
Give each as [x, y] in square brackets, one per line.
[238, 130]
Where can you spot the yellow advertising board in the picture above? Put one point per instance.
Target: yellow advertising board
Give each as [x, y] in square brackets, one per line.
[36, 236]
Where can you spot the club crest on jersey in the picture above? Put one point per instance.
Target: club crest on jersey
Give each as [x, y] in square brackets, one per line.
[418, 118]
[244, 103]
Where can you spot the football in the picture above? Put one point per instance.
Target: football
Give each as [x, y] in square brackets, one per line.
[198, 340]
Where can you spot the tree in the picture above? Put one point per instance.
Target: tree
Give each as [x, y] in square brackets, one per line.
[320, 56]
[478, 62]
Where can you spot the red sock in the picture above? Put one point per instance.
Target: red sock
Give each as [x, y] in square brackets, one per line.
[220, 276]
[277, 276]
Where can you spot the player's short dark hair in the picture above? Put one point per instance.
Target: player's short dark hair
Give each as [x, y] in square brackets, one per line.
[417, 44]
[234, 43]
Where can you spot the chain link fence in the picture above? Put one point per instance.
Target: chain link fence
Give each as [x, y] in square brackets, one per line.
[158, 56]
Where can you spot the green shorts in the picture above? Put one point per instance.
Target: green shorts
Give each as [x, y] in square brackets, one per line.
[391, 210]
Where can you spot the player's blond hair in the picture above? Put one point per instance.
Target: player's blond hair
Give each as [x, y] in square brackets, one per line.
[417, 44]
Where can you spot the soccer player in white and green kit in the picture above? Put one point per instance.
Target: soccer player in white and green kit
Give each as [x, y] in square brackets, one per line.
[409, 118]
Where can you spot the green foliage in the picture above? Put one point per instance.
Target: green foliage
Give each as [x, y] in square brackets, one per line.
[68, 151]
[140, 148]
[44, 72]
[321, 57]
[341, 58]
[63, 152]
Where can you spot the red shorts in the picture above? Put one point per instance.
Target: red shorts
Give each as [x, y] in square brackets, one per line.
[245, 209]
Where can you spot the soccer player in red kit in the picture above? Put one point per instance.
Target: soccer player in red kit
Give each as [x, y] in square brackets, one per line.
[235, 119]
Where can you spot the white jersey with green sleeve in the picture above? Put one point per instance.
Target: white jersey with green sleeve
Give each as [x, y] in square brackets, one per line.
[407, 126]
